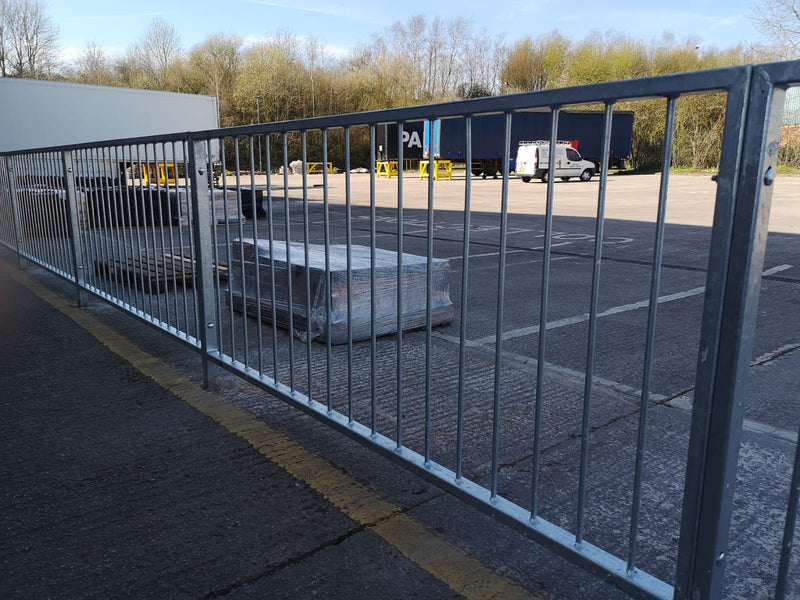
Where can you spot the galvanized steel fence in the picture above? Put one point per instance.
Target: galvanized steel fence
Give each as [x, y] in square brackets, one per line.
[271, 282]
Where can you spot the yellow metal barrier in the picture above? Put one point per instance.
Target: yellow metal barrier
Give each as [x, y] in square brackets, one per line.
[316, 167]
[440, 169]
[386, 167]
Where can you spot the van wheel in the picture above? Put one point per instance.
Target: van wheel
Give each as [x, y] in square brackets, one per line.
[565, 179]
[526, 179]
[544, 177]
[586, 175]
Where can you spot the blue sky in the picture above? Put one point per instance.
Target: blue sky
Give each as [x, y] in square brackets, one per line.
[343, 24]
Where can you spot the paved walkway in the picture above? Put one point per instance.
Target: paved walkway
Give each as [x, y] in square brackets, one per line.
[121, 477]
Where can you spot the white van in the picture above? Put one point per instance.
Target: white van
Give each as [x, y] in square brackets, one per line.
[532, 162]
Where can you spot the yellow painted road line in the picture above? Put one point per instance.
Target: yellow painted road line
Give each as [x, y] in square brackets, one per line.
[446, 562]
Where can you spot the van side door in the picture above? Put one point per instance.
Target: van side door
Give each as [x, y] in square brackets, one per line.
[572, 164]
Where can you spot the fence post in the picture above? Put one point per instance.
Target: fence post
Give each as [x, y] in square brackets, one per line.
[202, 222]
[78, 259]
[12, 185]
[739, 236]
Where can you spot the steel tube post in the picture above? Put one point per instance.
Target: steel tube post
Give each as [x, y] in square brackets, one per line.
[76, 256]
[738, 245]
[204, 270]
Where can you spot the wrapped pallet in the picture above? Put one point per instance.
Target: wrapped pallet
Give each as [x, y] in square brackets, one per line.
[263, 275]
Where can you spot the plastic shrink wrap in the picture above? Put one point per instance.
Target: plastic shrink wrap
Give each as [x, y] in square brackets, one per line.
[258, 269]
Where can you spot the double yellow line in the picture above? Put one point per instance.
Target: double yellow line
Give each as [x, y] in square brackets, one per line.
[444, 561]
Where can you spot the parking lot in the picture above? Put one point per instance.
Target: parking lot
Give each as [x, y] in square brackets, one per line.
[629, 231]
[626, 271]
[629, 237]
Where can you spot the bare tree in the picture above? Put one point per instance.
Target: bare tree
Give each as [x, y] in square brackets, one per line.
[779, 20]
[536, 63]
[93, 66]
[432, 54]
[157, 54]
[28, 40]
[3, 37]
[483, 59]
[315, 55]
[452, 37]
[216, 63]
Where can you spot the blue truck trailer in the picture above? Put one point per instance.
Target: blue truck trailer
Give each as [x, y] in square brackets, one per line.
[583, 129]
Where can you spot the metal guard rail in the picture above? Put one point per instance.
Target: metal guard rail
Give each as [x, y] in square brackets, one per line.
[118, 241]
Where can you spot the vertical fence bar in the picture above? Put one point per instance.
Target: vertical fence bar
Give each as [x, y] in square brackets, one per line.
[462, 338]
[747, 171]
[548, 232]
[76, 257]
[226, 218]
[6, 217]
[429, 316]
[230, 256]
[254, 211]
[373, 343]
[400, 248]
[93, 176]
[103, 248]
[149, 231]
[62, 211]
[307, 264]
[349, 241]
[165, 221]
[122, 241]
[34, 217]
[204, 270]
[326, 223]
[501, 285]
[658, 251]
[271, 234]
[34, 181]
[230, 317]
[192, 302]
[289, 291]
[56, 225]
[27, 239]
[128, 198]
[161, 196]
[12, 188]
[588, 379]
[176, 220]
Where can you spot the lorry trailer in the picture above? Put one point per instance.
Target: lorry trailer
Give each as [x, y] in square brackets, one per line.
[44, 114]
[583, 130]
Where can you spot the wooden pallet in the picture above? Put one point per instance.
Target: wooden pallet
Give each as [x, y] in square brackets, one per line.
[220, 268]
[154, 273]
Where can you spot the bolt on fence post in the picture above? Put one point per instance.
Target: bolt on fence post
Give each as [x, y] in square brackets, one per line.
[77, 256]
[202, 222]
[12, 185]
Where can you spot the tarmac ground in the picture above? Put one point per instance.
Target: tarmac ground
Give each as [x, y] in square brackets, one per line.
[124, 477]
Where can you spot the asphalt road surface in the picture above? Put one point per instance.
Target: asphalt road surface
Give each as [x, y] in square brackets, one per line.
[772, 416]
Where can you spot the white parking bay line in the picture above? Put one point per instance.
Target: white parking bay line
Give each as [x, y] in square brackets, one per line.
[486, 254]
[534, 329]
[777, 269]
